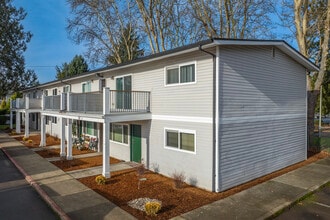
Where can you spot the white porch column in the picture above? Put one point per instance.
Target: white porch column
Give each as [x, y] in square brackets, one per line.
[62, 127]
[42, 130]
[99, 137]
[11, 119]
[43, 101]
[18, 122]
[27, 124]
[69, 141]
[106, 149]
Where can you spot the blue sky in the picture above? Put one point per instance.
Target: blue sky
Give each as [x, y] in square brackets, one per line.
[50, 44]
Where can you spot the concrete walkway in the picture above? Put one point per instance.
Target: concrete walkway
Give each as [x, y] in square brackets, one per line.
[71, 199]
[97, 170]
[266, 199]
[67, 196]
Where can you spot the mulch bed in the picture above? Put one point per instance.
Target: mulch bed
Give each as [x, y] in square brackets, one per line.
[122, 187]
[50, 140]
[82, 163]
[48, 153]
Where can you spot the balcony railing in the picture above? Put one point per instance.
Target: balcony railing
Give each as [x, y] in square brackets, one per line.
[52, 102]
[106, 102]
[34, 103]
[86, 102]
[129, 101]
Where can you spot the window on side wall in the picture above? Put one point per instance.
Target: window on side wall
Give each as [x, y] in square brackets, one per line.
[182, 140]
[119, 133]
[181, 74]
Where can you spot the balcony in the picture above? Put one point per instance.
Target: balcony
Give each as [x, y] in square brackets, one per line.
[26, 103]
[109, 101]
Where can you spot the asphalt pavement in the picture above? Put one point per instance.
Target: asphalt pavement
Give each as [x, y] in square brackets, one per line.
[17, 198]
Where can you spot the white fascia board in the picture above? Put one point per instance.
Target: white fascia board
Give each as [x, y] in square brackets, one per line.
[279, 44]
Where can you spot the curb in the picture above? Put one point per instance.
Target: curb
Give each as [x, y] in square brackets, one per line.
[41, 192]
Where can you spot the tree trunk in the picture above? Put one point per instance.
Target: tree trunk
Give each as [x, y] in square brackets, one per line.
[312, 97]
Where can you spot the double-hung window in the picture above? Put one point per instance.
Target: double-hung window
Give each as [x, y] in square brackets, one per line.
[180, 139]
[119, 133]
[180, 74]
[86, 87]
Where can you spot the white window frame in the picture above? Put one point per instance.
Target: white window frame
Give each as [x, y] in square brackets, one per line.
[128, 134]
[178, 66]
[68, 87]
[55, 92]
[179, 131]
[85, 83]
[100, 84]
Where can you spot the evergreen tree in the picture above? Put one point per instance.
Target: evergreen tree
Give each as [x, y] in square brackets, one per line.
[77, 66]
[13, 40]
[127, 47]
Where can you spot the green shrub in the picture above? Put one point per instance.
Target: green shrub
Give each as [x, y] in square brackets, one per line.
[30, 141]
[100, 180]
[152, 208]
[25, 138]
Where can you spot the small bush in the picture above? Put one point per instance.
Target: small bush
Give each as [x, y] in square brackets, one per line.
[100, 180]
[152, 208]
[140, 169]
[30, 141]
[178, 179]
[25, 138]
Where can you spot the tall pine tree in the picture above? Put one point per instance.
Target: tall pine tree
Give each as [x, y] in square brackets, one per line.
[127, 47]
[13, 40]
[77, 66]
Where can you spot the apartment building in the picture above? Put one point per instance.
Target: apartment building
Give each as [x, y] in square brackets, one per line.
[222, 111]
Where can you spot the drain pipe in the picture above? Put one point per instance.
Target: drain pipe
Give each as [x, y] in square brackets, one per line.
[214, 130]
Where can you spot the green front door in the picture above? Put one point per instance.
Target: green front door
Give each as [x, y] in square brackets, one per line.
[136, 143]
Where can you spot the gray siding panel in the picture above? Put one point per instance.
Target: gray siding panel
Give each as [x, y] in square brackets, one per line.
[196, 167]
[262, 113]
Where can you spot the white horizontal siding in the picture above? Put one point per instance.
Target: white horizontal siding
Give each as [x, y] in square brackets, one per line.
[262, 113]
[196, 167]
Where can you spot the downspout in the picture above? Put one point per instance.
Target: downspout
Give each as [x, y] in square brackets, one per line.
[214, 147]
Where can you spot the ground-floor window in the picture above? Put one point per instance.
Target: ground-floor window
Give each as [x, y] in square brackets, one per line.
[119, 133]
[184, 140]
[85, 127]
[52, 119]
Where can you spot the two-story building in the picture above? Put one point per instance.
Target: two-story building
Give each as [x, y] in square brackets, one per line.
[222, 111]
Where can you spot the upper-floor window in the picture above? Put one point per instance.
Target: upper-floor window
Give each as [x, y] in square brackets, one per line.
[66, 89]
[54, 91]
[46, 92]
[102, 84]
[86, 87]
[180, 74]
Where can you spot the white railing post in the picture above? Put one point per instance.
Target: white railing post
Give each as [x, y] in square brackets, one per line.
[17, 102]
[11, 103]
[43, 102]
[68, 104]
[62, 103]
[27, 102]
[106, 101]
